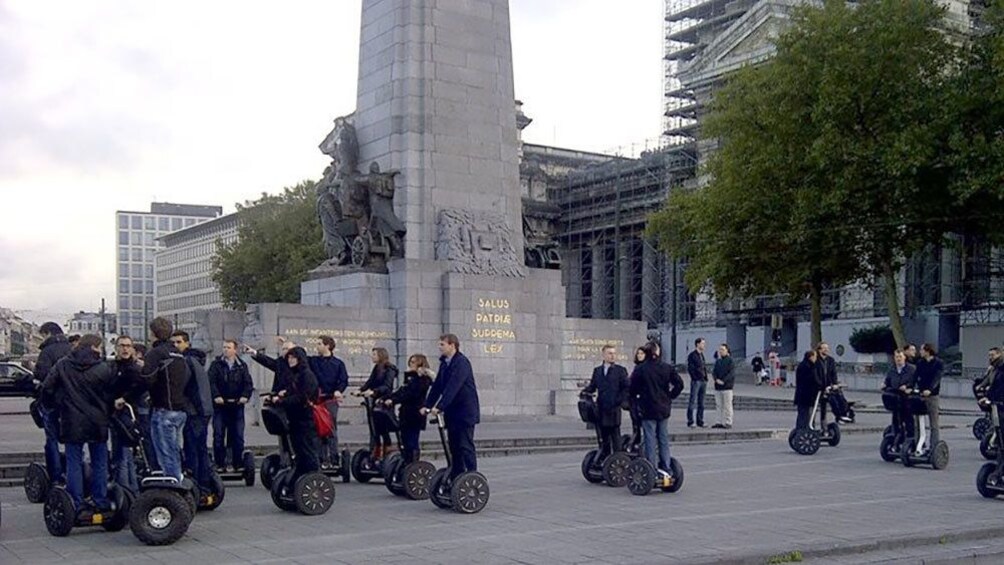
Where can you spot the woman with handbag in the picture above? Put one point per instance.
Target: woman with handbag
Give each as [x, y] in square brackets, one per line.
[378, 387]
[298, 398]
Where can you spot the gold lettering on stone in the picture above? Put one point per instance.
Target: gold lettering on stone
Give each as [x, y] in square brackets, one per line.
[493, 324]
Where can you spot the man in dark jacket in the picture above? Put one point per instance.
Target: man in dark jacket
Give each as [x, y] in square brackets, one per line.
[900, 380]
[827, 367]
[724, 373]
[807, 387]
[279, 366]
[333, 379]
[167, 374]
[653, 387]
[929, 371]
[82, 388]
[232, 388]
[610, 383]
[54, 347]
[196, 430]
[697, 367]
[127, 370]
[455, 394]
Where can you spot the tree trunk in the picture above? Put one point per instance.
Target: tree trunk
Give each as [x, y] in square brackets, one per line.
[816, 324]
[892, 304]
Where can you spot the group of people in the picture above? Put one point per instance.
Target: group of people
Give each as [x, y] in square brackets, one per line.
[911, 373]
[816, 379]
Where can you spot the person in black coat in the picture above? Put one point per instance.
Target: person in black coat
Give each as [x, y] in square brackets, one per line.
[899, 381]
[724, 373]
[929, 372]
[300, 392]
[82, 388]
[54, 347]
[653, 387]
[697, 368]
[232, 387]
[610, 384]
[379, 386]
[411, 398]
[167, 374]
[278, 365]
[127, 371]
[455, 394]
[807, 387]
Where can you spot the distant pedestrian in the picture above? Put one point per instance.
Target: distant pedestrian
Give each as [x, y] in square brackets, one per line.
[697, 367]
[724, 373]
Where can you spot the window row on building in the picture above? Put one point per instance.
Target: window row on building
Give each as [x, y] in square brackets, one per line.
[211, 298]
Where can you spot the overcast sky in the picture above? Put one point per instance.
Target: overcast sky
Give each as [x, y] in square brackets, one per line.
[107, 105]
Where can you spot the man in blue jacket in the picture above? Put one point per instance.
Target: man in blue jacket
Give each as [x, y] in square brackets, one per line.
[232, 388]
[455, 394]
[332, 379]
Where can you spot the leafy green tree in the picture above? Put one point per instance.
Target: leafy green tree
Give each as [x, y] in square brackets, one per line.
[279, 242]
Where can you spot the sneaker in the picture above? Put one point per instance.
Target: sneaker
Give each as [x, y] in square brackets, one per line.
[690, 425]
[718, 426]
[701, 425]
[845, 420]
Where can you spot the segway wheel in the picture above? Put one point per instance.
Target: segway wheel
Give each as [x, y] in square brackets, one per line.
[416, 478]
[391, 478]
[269, 468]
[438, 493]
[214, 498]
[360, 460]
[249, 467]
[589, 467]
[36, 483]
[675, 469]
[908, 446]
[987, 482]
[791, 438]
[806, 441]
[887, 431]
[159, 517]
[834, 432]
[615, 469]
[345, 466]
[470, 493]
[314, 494]
[887, 450]
[59, 512]
[641, 477]
[282, 500]
[123, 502]
[987, 449]
[981, 427]
[939, 455]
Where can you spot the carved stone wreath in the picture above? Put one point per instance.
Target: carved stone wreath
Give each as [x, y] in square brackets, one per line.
[478, 243]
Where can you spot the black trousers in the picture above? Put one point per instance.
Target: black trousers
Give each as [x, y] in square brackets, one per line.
[610, 440]
[303, 437]
[802, 420]
[465, 456]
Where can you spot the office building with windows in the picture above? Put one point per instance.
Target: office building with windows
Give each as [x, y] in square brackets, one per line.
[136, 244]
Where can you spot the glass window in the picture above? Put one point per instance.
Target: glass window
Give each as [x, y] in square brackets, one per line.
[148, 239]
[149, 287]
[149, 223]
[123, 286]
[137, 287]
[148, 271]
[123, 254]
[175, 224]
[148, 254]
[189, 222]
[123, 303]
[149, 303]
[137, 271]
[136, 238]
[163, 224]
[123, 269]
[123, 221]
[123, 238]
[137, 254]
[137, 302]
[137, 222]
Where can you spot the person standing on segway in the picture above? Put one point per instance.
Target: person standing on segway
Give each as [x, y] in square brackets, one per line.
[81, 389]
[929, 371]
[278, 366]
[900, 380]
[196, 430]
[610, 383]
[54, 347]
[232, 386]
[455, 394]
[167, 375]
[411, 398]
[808, 383]
[127, 369]
[333, 379]
[379, 386]
[300, 392]
[653, 387]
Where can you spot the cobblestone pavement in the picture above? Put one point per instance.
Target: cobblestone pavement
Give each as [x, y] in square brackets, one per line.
[740, 502]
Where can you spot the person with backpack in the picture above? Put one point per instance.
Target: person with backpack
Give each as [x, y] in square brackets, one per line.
[232, 388]
[196, 429]
[167, 374]
[54, 347]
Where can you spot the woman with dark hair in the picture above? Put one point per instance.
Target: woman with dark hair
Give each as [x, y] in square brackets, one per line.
[300, 391]
[808, 383]
[411, 396]
[379, 386]
[639, 356]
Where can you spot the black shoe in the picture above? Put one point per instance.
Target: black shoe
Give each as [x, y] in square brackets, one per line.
[718, 426]
[727, 426]
[701, 425]
[690, 424]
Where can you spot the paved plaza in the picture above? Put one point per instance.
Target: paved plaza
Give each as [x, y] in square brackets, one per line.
[740, 502]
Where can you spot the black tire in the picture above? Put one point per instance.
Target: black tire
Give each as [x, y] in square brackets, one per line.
[984, 478]
[615, 469]
[417, 478]
[390, 464]
[438, 494]
[249, 467]
[940, 456]
[59, 512]
[359, 460]
[345, 466]
[791, 438]
[887, 449]
[470, 493]
[36, 483]
[281, 501]
[987, 449]
[213, 499]
[589, 471]
[806, 441]
[641, 477]
[981, 427]
[675, 469]
[834, 431]
[159, 517]
[887, 431]
[908, 446]
[314, 493]
[123, 502]
[270, 466]
[391, 480]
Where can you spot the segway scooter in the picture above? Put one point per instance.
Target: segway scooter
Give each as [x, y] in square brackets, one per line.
[311, 494]
[37, 482]
[410, 480]
[61, 515]
[612, 469]
[806, 441]
[919, 450]
[365, 466]
[643, 477]
[988, 445]
[990, 478]
[983, 424]
[468, 493]
[243, 470]
[277, 460]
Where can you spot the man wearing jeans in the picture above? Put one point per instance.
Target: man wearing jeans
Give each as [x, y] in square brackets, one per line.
[698, 370]
[333, 379]
[166, 373]
[653, 387]
[54, 347]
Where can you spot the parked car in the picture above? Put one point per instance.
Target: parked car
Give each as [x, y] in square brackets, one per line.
[15, 380]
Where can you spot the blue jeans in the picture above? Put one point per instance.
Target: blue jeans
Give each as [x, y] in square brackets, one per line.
[53, 466]
[123, 464]
[99, 474]
[656, 431]
[197, 451]
[697, 391]
[167, 426]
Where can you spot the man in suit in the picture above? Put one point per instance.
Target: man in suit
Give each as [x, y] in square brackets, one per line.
[610, 383]
[455, 394]
[697, 367]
